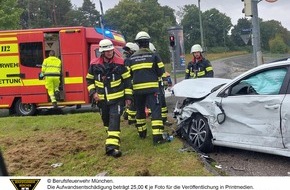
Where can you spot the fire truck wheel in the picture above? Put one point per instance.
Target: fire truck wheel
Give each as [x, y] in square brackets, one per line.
[24, 109]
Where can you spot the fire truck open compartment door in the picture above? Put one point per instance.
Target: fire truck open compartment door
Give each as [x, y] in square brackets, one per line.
[73, 55]
[30, 61]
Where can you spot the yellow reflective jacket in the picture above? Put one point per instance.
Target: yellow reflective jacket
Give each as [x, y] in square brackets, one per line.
[51, 66]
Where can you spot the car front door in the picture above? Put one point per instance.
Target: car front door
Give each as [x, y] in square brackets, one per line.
[252, 107]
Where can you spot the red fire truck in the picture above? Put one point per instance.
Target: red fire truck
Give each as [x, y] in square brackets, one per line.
[21, 56]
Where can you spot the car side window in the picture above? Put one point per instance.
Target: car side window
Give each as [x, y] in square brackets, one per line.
[268, 82]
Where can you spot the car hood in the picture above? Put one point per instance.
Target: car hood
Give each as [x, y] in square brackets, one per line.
[197, 88]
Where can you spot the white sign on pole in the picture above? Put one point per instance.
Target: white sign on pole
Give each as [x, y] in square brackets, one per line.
[246, 35]
[245, 38]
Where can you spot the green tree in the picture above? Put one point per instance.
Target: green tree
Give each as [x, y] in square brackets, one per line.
[74, 17]
[216, 27]
[277, 45]
[191, 28]
[243, 24]
[44, 13]
[9, 14]
[132, 16]
[90, 14]
[269, 30]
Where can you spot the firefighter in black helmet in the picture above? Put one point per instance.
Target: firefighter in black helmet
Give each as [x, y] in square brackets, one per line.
[109, 84]
[147, 68]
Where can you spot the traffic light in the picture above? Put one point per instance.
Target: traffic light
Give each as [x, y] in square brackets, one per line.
[172, 40]
[247, 10]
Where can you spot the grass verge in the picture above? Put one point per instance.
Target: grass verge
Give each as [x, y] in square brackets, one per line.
[31, 145]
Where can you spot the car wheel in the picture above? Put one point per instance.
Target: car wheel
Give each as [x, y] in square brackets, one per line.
[199, 135]
[24, 109]
[183, 130]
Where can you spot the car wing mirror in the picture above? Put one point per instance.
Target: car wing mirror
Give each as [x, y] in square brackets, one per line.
[221, 117]
[223, 94]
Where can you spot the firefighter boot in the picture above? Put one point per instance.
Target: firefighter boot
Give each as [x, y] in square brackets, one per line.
[113, 152]
[158, 139]
[57, 95]
[143, 134]
[54, 104]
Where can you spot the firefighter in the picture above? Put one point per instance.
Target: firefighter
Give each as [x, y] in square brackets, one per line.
[147, 68]
[199, 66]
[51, 71]
[130, 112]
[129, 49]
[164, 83]
[109, 84]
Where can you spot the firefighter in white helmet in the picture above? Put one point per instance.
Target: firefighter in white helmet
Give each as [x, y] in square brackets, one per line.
[199, 66]
[109, 84]
[130, 112]
[129, 49]
[147, 68]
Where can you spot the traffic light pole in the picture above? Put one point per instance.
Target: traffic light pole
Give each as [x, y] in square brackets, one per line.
[173, 63]
[257, 53]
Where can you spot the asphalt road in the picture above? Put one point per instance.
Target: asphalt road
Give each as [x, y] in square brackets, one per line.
[235, 162]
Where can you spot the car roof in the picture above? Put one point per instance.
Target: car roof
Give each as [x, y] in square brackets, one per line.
[280, 62]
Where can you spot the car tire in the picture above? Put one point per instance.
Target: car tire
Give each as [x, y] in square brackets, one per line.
[182, 132]
[24, 109]
[199, 134]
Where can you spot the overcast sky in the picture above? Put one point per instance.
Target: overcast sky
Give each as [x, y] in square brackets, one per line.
[232, 8]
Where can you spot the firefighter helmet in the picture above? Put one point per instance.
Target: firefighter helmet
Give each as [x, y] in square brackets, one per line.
[131, 46]
[196, 48]
[152, 47]
[142, 36]
[105, 45]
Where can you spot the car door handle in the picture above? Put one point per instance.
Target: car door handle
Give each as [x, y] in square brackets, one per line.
[276, 106]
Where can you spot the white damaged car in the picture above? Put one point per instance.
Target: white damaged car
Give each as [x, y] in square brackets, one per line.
[251, 111]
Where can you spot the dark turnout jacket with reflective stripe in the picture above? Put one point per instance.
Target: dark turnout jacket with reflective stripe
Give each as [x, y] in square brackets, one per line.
[112, 81]
[146, 68]
[198, 69]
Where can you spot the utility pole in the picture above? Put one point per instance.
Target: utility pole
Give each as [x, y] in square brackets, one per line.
[200, 26]
[256, 34]
[251, 10]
